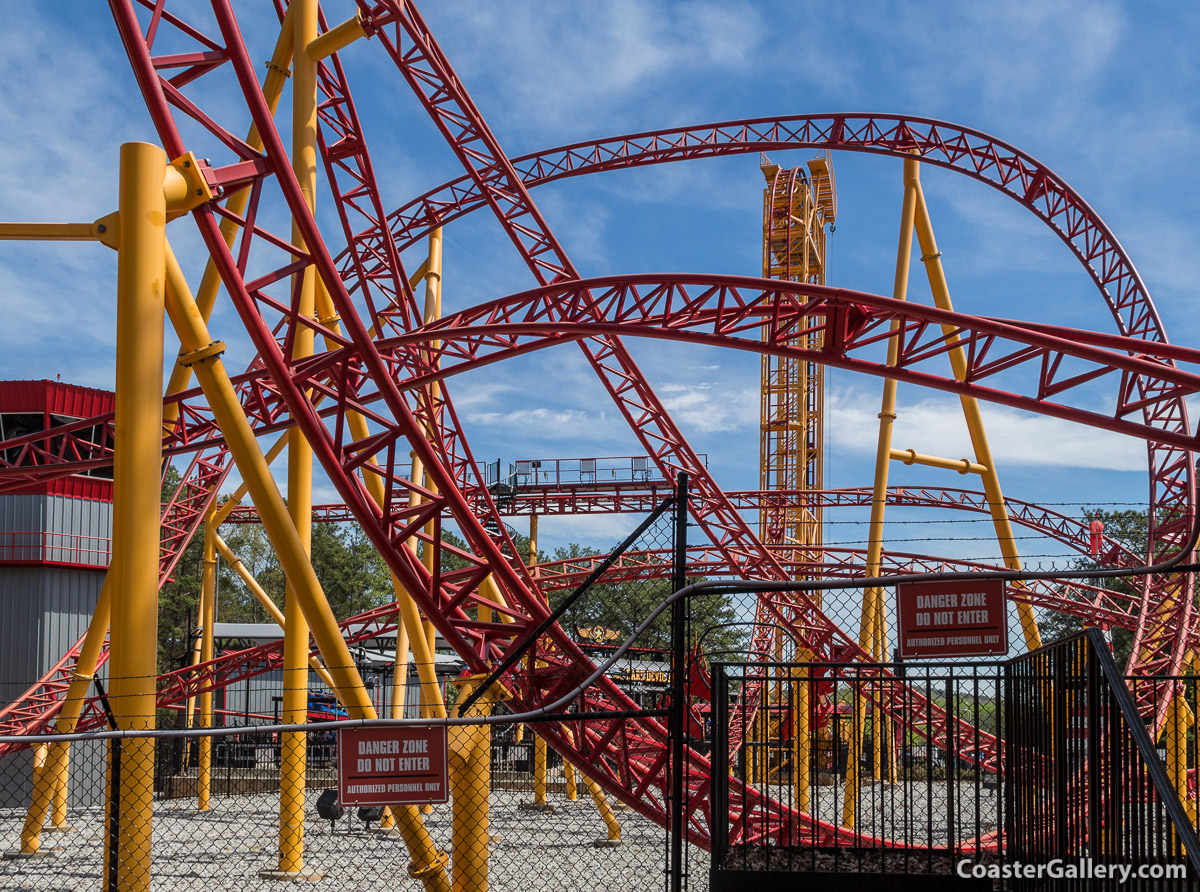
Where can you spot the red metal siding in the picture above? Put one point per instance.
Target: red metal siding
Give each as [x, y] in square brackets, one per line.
[54, 397]
[69, 400]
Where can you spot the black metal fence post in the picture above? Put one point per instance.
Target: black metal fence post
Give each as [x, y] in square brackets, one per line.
[719, 794]
[114, 817]
[676, 725]
[114, 794]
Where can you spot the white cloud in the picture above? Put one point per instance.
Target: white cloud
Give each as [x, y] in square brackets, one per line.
[545, 67]
[937, 427]
[548, 424]
[710, 408]
[605, 528]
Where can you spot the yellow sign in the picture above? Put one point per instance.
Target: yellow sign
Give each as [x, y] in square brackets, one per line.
[597, 633]
[653, 676]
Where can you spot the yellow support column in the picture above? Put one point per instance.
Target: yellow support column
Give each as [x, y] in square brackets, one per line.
[539, 802]
[606, 813]
[569, 774]
[208, 615]
[432, 312]
[1174, 738]
[872, 635]
[539, 742]
[43, 792]
[931, 257]
[399, 668]
[409, 614]
[294, 745]
[137, 457]
[300, 459]
[853, 758]
[470, 786]
[199, 349]
[539, 773]
[58, 811]
[873, 605]
[801, 738]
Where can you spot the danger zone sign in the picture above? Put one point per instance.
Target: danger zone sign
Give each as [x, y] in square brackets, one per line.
[952, 619]
[392, 766]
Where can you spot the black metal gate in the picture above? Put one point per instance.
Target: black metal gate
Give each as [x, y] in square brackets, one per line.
[1085, 787]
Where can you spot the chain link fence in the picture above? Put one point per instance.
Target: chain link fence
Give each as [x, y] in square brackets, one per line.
[904, 760]
[539, 822]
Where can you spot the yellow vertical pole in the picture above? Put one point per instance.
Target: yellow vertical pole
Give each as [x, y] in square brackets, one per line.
[208, 614]
[853, 758]
[409, 614]
[399, 668]
[801, 738]
[58, 811]
[470, 786]
[43, 792]
[539, 742]
[873, 625]
[539, 769]
[433, 311]
[572, 789]
[431, 695]
[197, 344]
[294, 745]
[137, 457]
[931, 257]
[872, 619]
[190, 711]
[418, 635]
[1174, 737]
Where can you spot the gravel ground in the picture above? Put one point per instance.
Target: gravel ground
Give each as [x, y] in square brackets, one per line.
[917, 812]
[227, 846]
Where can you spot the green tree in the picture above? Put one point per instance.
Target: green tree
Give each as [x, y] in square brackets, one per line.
[623, 605]
[1130, 529]
[352, 574]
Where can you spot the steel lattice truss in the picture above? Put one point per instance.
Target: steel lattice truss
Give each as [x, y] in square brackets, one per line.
[380, 360]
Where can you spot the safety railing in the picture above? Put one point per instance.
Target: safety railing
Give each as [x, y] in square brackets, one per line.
[45, 547]
[1086, 786]
[856, 788]
[557, 472]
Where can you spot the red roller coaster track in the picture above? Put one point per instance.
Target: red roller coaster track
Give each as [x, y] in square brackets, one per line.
[383, 377]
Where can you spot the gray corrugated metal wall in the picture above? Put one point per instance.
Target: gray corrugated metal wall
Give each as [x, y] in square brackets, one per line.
[43, 612]
[85, 527]
[76, 531]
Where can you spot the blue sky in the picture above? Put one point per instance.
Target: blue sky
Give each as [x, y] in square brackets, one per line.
[1103, 93]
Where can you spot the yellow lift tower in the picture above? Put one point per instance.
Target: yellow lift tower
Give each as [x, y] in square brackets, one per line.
[798, 204]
